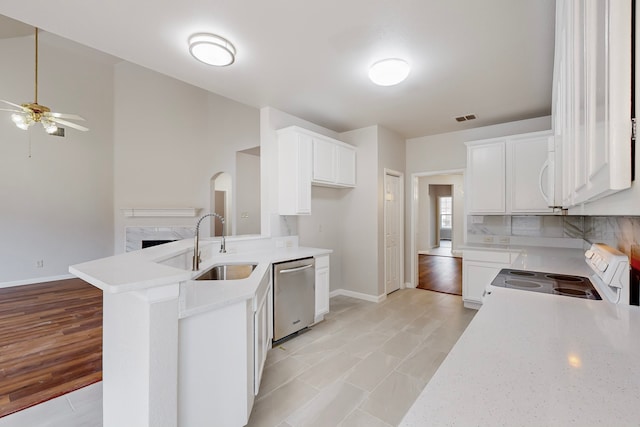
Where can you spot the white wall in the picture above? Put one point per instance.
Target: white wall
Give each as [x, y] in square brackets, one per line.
[363, 212]
[170, 139]
[391, 155]
[248, 194]
[360, 217]
[57, 204]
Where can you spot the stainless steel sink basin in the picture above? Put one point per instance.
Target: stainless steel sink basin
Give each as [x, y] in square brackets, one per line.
[228, 272]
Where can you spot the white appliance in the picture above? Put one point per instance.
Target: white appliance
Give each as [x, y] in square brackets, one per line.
[611, 272]
[610, 280]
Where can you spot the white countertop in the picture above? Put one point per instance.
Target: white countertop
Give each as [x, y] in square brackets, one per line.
[532, 359]
[170, 264]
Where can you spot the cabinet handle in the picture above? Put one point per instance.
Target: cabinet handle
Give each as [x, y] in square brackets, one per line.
[542, 169]
[291, 270]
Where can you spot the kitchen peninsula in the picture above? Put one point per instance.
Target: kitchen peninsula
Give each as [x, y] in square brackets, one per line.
[149, 296]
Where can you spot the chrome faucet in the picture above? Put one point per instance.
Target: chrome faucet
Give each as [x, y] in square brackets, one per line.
[196, 248]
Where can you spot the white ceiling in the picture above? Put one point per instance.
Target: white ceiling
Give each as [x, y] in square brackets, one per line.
[493, 58]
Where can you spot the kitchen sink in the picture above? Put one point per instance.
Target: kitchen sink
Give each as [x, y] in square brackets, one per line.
[228, 272]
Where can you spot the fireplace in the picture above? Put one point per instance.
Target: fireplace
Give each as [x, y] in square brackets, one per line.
[142, 237]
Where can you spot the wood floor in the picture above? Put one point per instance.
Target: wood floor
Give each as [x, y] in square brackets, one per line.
[50, 341]
[440, 274]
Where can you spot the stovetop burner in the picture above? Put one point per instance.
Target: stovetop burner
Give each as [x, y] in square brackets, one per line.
[548, 283]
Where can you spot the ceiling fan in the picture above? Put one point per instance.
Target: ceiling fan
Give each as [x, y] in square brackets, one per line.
[25, 115]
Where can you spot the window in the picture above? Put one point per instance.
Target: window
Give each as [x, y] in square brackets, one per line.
[445, 212]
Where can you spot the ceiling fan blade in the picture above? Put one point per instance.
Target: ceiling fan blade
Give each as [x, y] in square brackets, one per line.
[64, 116]
[15, 105]
[66, 123]
[13, 111]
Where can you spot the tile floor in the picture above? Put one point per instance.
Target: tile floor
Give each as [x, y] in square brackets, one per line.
[363, 366]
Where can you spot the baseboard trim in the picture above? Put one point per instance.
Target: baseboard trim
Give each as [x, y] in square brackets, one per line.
[409, 285]
[35, 280]
[359, 295]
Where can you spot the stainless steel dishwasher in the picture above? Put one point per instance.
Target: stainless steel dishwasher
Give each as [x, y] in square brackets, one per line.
[294, 296]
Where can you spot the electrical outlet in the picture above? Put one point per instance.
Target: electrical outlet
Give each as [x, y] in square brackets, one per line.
[289, 244]
[40, 263]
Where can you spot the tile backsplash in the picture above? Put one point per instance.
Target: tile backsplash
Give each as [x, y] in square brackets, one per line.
[618, 231]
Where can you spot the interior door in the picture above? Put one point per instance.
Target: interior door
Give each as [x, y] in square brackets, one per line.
[393, 226]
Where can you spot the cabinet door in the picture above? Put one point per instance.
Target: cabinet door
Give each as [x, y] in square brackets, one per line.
[528, 171]
[294, 173]
[475, 278]
[486, 192]
[262, 339]
[592, 80]
[322, 287]
[345, 166]
[324, 161]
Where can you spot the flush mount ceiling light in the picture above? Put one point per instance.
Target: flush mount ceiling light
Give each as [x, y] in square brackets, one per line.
[389, 72]
[212, 49]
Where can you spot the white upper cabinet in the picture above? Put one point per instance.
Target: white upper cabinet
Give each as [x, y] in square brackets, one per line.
[486, 180]
[334, 163]
[530, 186]
[324, 165]
[346, 165]
[592, 98]
[294, 173]
[307, 158]
[509, 175]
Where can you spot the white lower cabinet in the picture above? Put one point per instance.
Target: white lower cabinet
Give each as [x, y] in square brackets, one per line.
[263, 329]
[322, 287]
[479, 268]
[222, 354]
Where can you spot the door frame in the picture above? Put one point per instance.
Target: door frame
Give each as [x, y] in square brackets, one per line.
[400, 195]
[414, 217]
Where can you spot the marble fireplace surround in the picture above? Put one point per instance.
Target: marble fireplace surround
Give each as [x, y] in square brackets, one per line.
[135, 235]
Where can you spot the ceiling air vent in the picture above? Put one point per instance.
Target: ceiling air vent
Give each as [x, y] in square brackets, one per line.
[466, 117]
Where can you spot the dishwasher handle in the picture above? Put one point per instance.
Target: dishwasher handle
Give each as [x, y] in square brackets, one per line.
[292, 270]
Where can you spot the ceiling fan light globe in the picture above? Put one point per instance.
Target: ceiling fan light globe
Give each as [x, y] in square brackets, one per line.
[18, 118]
[23, 126]
[49, 127]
